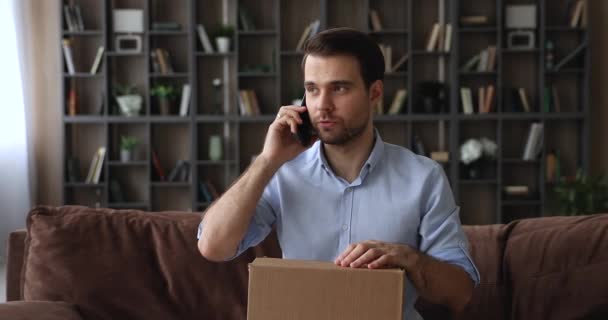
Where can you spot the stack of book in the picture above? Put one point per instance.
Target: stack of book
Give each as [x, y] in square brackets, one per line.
[440, 38]
[485, 98]
[248, 103]
[161, 61]
[73, 17]
[484, 61]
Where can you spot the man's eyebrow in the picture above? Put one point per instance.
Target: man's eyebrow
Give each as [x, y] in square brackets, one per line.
[335, 82]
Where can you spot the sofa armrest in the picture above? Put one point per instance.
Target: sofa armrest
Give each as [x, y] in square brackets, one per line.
[38, 310]
[15, 253]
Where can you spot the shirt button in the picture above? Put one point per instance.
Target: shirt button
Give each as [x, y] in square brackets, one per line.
[344, 227]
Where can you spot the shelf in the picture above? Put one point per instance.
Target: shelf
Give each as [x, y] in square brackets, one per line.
[522, 202]
[258, 33]
[256, 119]
[430, 53]
[94, 119]
[579, 71]
[565, 116]
[479, 116]
[520, 161]
[170, 184]
[395, 32]
[169, 119]
[478, 29]
[516, 51]
[397, 74]
[564, 29]
[124, 54]
[125, 119]
[170, 75]
[84, 185]
[257, 74]
[215, 54]
[85, 33]
[84, 75]
[215, 162]
[411, 117]
[478, 181]
[168, 33]
[127, 164]
[478, 73]
[215, 118]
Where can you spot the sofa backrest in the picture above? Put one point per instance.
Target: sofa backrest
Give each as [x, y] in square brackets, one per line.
[130, 265]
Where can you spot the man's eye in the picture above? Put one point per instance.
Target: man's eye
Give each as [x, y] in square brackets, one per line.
[311, 90]
[340, 89]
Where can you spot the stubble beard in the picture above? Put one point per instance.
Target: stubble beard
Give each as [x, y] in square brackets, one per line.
[347, 135]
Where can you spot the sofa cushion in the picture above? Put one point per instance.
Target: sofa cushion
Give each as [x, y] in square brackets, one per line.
[128, 264]
[557, 268]
[38, 310]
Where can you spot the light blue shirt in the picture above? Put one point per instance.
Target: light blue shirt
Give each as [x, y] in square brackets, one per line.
[398, 197]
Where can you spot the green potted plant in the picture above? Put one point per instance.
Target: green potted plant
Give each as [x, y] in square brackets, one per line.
[127, 145]
[223, 36]
[165, 94]
[128, 99]
[582, 194]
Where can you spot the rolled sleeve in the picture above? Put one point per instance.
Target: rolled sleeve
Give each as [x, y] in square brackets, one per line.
[259, 227]
[441, 234]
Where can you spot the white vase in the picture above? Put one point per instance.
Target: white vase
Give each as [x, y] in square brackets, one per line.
[215, 148]
[130, 105]
[223, 44]
[126, 155]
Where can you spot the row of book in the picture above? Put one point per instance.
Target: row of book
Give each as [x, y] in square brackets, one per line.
[96, 166]
[310, 30]
[387, 53]
[248, 103]
[484, 61]
[161, 61]
[396, 106]
[66, 46]
[440, 38]
[485, 98]
[73, 17]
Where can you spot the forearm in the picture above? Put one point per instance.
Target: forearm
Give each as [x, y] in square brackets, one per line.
[443, 283]
[226, 221]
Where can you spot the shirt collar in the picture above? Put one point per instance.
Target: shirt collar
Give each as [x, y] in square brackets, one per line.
[373, 159]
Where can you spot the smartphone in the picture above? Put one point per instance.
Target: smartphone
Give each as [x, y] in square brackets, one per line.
[305, 130]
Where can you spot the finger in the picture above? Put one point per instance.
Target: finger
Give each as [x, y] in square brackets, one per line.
[345, 253]
[354, 255]
[369, 256]
[286, 112]
[381, 262]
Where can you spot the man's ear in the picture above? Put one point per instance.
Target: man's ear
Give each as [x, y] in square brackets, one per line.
[376, 90]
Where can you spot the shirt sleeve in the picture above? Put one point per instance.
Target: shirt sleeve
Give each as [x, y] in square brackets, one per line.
[260, 225]
[441, 234]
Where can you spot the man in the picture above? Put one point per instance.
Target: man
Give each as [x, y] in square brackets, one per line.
[349, 198]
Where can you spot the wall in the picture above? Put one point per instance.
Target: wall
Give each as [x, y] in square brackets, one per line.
[48, 113]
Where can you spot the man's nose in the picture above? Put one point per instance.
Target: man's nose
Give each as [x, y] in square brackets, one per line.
[325, 102]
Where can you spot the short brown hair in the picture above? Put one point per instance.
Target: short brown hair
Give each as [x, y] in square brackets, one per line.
[349, 42]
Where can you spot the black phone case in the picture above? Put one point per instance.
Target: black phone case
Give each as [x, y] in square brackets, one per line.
[305, 130]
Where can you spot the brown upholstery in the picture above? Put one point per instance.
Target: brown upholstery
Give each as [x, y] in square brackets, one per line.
[15, 251]
[38, 310]
[136, 265]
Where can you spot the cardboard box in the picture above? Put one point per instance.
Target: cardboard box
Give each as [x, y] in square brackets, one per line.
[310, 290]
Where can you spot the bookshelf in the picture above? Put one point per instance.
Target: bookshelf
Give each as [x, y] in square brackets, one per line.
[264, 58]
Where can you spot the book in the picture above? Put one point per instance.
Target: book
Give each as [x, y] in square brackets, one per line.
[524, 99]
[533, 141]
[204, 38]
[398, 101]
[92, 166]
[447, 47]
[516, 190]
[245, 19]
[489, 98]
[481, 95]
[577, 13]
[167, 59]
[99, 166]
[185, 101]
[483, 61]
[173, 175]
[97, 60]
[69, 19]
[184, 173]
[471, 63]
[387, 53]
[401, 62]
[154, 61]
[78, 15]
[205, 195]
[164, 68]
[72, 99]
[303, 38]
[254, 103]
[160, 173]
[375, 20]
[244, 103]
[491, 58]
[570, 56]
[431, 43]
[467, 100]
[67, 54]
[473, 20]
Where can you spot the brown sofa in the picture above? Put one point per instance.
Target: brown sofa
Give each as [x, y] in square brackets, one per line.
[81, 263]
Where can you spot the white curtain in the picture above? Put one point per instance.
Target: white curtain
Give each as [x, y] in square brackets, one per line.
[16, 174]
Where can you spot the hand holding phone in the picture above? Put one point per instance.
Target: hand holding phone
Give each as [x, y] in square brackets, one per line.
[305, 130]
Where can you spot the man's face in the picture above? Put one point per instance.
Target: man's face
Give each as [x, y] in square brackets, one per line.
[338, 102]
